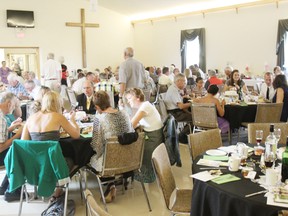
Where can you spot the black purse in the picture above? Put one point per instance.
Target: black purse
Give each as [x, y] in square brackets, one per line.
[127, 138]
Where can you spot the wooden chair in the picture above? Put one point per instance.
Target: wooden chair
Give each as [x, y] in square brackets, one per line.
[203, 141]
[178, 201]
[92, 207]
[38, 163]
[119, 159]
[252, 127]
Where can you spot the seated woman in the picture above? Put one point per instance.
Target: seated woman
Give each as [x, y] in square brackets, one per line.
[46, 123]
[281, 95]
[209, 98]
[108, 122]
[199, 89]
[148, 117]
[235, 83]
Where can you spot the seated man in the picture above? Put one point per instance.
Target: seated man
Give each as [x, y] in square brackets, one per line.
[7, 105]
[164, 77]
[32, 89]
[16, 87]
[85, 100]
[267, 91]
[213, 80]
[174, 101]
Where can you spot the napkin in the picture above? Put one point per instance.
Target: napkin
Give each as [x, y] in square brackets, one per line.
[215, 158]
[211, 163]
[89, 135]
[204, 176]
[225, 179]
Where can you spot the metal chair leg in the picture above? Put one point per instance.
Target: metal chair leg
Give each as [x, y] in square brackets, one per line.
[21, 200]
[102, 193]
[66, 199]
[145, 193]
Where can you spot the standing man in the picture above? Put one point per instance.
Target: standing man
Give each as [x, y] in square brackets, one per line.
[4, 72]
[131, 73]
[267, 91]
[51, 73]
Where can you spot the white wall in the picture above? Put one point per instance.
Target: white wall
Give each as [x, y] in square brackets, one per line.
[105, 45]
[246, 38]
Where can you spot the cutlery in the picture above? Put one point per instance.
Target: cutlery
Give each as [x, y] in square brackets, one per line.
[254, 194]
[202, 168]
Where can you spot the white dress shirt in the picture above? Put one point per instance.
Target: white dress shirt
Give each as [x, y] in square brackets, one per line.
[263, 91]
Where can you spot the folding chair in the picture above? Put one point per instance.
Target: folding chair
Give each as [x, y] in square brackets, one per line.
[119, 159]
[203, 141]
[177, 201]
[38, 163]
[92, 207]
[204, 116]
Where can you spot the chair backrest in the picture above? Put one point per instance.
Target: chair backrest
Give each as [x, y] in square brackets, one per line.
[163, 172]
[204, 115]
[268, 112]
[163, 88]
[39, 162]
[29, 110]
[72, 97]
[162, 107]
[147, 94]
[119, 159]
[266, 127]
[203, 141]
[92, 206]
[220, 87]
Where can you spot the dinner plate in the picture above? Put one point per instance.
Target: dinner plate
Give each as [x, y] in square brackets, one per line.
[215, 152]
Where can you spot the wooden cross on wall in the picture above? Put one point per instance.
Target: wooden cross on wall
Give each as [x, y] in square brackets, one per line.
[83, 26]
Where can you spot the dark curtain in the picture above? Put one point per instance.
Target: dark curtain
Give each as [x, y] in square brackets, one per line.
[189, 35]
[282, 29]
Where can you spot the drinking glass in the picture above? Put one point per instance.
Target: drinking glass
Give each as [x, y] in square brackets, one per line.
[269, 156]
[259, 136]
[277, 133]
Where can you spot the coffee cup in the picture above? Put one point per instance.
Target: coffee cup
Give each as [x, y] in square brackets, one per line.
[271, 177]
[234, 163]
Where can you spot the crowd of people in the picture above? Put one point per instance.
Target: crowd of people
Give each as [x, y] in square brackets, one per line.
[118, 102]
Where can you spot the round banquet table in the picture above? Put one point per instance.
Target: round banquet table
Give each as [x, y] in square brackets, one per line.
[236, 114]
[228, 199]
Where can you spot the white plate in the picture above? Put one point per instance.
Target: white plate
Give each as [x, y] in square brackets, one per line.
[215, 152]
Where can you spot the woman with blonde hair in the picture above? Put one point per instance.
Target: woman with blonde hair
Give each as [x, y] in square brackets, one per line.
[46, 124]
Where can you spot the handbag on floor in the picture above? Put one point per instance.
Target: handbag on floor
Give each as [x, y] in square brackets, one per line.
[56, 208]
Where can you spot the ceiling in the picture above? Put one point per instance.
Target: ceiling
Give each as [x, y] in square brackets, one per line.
[145, 9]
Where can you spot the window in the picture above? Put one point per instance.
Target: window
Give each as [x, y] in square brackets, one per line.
[192, 48]
[286, 51]
[192, 52]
